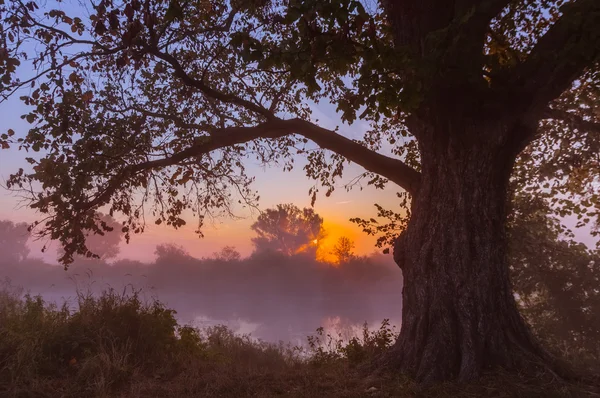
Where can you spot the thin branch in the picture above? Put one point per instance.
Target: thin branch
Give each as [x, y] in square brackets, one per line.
[22, 84]
[207, 90]
[179, 122]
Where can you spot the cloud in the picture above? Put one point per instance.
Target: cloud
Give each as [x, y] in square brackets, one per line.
[344, 202]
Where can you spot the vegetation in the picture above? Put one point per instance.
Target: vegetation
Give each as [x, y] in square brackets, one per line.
[556, 278]
[268, 289]
[288, 229]
[150, 108]
[116, 345]
[13, 241]
[343, 249]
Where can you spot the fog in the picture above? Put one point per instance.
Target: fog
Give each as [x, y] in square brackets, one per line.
[272, 296]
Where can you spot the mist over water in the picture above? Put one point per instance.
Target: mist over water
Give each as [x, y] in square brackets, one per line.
[272, 296]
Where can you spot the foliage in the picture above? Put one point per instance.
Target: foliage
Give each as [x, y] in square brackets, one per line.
[325, 348]
[555, 277]
[103, 245]
[228, 254]
[343, 249]
[167, 252]
[395, 223]
[91, 350]
[288, 229]
[13, 241]
[105, 339]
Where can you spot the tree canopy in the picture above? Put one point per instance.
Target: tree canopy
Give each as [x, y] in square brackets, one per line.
[288, 229]
[103, 244]
[343, 249]
[13, 241]
[156, 104]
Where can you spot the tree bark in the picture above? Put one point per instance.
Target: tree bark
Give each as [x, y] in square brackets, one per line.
[459, 315]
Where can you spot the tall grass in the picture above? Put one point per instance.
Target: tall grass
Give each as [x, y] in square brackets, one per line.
[120, 345]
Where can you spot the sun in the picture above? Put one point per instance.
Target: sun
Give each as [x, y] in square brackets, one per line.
[315, 241]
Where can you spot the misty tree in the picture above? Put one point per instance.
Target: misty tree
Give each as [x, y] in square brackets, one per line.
[556, 278]
[288, 229]
[228, 254]
[13, 241]
[150, 108]
[170, 253]
[343, 250]
[103, 244]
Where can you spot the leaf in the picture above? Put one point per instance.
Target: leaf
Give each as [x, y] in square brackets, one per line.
[99, 28]
[87, 96]
[174, 11]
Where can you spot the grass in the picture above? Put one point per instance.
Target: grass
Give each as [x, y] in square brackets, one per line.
[117, 345]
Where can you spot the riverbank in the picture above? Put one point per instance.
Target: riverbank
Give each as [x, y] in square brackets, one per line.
[116, 345]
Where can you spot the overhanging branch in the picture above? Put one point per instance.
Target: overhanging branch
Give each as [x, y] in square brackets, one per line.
[393, 169]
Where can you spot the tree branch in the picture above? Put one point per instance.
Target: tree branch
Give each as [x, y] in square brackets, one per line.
[209, 91]
[570, 46]
[390, 168]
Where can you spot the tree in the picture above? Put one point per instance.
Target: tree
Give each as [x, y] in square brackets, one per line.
[343, 250]
[288, 229]
[13, 241]
[228, 254]
[555, 277]
[155, 105]
[102, 244]
[171, 253]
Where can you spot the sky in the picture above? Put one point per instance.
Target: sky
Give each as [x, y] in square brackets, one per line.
[273, 184]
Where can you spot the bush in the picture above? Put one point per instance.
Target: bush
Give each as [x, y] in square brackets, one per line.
[106, 337]
[357, 350]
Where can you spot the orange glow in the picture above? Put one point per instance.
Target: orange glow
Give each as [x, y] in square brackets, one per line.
[238, 234]
[325, 245]
[333, 232]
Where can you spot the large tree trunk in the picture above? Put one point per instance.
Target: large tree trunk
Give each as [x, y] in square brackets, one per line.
[459, 315]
